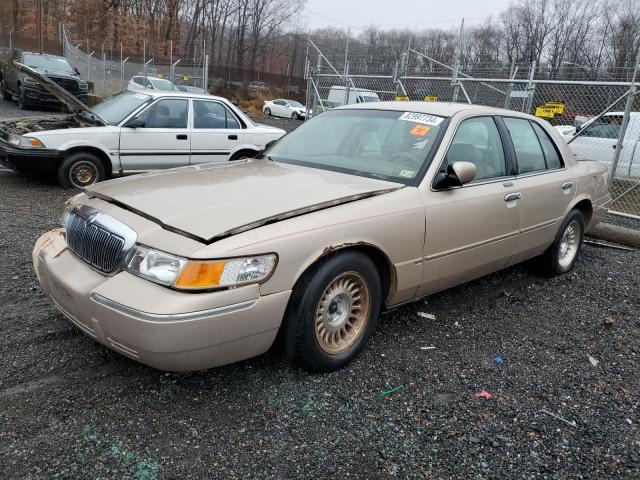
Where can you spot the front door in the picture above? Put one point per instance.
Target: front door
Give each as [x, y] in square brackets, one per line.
[164, 140]
[216, 132]
[471, 230]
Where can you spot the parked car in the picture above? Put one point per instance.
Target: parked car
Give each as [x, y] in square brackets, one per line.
[27, 90]
[257, 86]
[128, 133]
[347, 96]
[362, 208]
[598, 140]
[285, 108]
[140, 83]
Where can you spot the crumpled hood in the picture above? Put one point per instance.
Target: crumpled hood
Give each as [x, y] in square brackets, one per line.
[215, 200]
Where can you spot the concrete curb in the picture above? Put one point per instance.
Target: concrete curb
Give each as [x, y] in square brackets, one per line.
[616, 234]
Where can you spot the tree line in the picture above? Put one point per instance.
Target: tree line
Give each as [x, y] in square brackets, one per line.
[577, 38]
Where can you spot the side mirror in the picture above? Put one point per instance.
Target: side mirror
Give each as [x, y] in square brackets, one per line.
[76, 70]
[456, 175]
[135, 123]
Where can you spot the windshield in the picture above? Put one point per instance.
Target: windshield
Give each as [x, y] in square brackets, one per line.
[162, 84]
[47, 62]
[115, 109]
[371, 143]
[293, 103]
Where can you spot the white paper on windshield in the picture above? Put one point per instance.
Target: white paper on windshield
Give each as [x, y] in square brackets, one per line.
[423, 118]
[140, 96]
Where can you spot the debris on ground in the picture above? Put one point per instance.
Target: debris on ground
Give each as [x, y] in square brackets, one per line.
[608, 321]
[593, 361]
[389, 392]
[427, 348]
[483, 394]
[428, 316]
[571, 423]
[498, 360]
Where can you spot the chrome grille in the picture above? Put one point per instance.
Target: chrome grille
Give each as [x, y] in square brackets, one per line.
[68, 84]
[94, 244]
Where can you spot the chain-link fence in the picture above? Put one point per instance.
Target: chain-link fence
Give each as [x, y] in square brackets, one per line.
[110, 71]
[599, 120]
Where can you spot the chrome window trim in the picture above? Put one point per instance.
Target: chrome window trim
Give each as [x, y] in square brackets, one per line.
[171, 317]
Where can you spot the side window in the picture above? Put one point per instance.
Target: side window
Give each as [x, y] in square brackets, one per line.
[477, 140]
[607, 127]
[212, 115]
[137, 80]
[551, 155]
[525, 141]
[147, 83]
[279, 102]
[167, 113]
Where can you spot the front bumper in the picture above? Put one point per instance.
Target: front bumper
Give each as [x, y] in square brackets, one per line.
[159, 327]
[38, 161]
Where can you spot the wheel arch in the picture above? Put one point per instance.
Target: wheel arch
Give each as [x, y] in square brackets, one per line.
[586, 208]
[383, 264]
[101, 154]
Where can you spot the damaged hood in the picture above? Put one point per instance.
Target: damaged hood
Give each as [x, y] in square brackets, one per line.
[216, 200]
[71, 102]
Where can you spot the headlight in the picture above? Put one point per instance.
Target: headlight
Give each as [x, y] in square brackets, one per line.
[83, 85]
[68, 206]
[24, 142]
[182, 273]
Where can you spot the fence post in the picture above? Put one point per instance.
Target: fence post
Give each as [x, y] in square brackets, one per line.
[625, 121]
[205, 73]
[531, 88]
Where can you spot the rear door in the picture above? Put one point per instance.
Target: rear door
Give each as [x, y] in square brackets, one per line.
[547, 186]
[216, 132]
[472, 230]
[164, 140]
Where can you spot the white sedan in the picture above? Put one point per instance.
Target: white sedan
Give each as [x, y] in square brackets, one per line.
[129, 132]
[141, 83]
[285, 108]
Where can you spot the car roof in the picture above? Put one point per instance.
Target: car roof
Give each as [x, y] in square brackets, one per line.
[182, 94]
[443, 109]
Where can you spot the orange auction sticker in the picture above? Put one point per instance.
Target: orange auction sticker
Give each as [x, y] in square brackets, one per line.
[420, 130]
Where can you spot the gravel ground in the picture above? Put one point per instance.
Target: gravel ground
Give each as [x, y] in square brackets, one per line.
[70, 408]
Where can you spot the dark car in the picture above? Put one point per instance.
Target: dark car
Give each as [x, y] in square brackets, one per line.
[14, 83]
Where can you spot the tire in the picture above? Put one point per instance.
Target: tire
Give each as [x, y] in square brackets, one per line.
[80, 170]
[243, 154]
[22, 101]
[324, 342]
[562, 255]
[3, 90]
[267, 112]
[294, 116]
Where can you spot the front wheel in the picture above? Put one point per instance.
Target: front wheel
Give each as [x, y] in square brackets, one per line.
[267, 112]
[562, 255]
[294, 116]
[80, 170]
[332, 312]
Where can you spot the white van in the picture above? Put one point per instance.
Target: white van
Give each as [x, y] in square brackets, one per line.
[339, 95]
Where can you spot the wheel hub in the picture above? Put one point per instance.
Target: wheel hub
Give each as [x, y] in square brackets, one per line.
[342, 313]
[569, 244]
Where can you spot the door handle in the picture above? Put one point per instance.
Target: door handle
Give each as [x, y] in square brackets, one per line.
[182, 136]
[232, 137]
[615, 145]
[509, 197]
[567, 185]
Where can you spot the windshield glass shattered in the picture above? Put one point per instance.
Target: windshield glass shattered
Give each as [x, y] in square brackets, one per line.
[115, 109]
[383, 144]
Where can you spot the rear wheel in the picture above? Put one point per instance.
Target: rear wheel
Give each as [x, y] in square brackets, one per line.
[22, 99]
[267, 112]
[294, 116]
[3, 90]
[80, 170]
[243, 154]
[562, 255]
[332, 312]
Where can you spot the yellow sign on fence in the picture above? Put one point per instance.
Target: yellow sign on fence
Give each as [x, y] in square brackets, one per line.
[160, 75]
[545, 112]
[430, 98]
[558, 107]
[402, 98]
[185, 78]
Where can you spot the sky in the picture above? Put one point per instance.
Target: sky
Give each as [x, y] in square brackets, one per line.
[412, 14]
